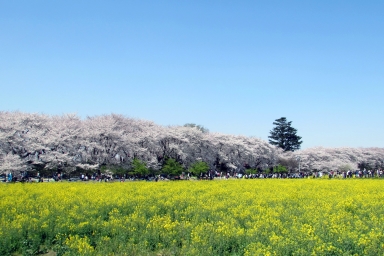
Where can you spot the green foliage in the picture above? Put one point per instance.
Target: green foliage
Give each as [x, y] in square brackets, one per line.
[280, 169]
[172, 167]
[139, 168]
[198, 127]
[198, 168]
[284, 135]
[250, 171]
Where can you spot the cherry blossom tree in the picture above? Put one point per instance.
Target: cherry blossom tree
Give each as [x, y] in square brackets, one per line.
[326, 159]
[67, 142]
[11, 163]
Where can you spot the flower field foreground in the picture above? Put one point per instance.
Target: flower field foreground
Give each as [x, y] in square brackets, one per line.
[225, 217]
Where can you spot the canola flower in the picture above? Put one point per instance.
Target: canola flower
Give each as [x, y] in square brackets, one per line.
[224, 217]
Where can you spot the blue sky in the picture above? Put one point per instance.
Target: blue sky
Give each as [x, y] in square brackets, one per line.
[231, 66]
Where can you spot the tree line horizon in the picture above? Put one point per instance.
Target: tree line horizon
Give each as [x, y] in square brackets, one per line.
[67, 144]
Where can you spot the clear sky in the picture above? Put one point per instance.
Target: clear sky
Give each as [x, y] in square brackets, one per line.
[231, 66]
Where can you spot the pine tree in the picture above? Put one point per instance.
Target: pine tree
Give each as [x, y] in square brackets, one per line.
[284, 135]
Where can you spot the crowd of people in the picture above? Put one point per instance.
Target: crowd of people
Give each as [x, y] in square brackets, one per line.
[379, 173]
[210, 175]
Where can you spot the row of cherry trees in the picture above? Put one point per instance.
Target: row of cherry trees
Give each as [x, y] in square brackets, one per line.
[342, 159]
[36, 141]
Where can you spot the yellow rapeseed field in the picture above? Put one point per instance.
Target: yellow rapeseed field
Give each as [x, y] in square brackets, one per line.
[224, 217]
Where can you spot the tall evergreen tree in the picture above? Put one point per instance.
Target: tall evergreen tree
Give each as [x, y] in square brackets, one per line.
[284, 135]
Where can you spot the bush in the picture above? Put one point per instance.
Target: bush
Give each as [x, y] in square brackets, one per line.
[198, 168]
[172, 167]
[280, 169]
